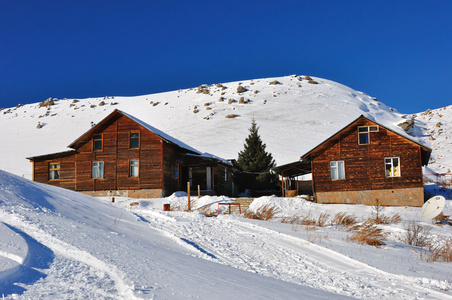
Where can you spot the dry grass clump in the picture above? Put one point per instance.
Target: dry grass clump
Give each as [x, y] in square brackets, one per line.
[343, 219]
[441, 252]
[307, 220]
[368, 233]
[207, 211]
[266, 212]
[134, 204]
[300, 220]
[386, 220]
[323, 218]
[442, 219]
[291, 220]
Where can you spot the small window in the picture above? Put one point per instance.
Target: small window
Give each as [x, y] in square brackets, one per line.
[225, 174]
[133, 170]
[97, 142]
[337, 170]
[134, 140]
[363, 134]
[97, 169]
[392, 167]
[54, 171]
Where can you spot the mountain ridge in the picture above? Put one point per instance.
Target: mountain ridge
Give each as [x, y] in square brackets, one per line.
[294, 114]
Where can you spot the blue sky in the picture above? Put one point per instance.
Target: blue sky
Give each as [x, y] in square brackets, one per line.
[397, 51]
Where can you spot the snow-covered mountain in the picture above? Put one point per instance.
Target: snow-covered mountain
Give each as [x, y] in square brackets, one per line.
[294, 114]
[59, 244]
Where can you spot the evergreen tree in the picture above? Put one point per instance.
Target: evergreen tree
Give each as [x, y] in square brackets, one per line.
[255, 163]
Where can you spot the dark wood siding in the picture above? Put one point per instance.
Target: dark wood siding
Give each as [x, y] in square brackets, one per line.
[159, 160]
[116, 155]
[67, 174]
[364, 164]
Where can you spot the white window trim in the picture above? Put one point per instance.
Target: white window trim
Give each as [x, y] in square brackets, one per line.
[392, 166]
[137, 165]
[370, 128]
[334, 166]
[99, 174]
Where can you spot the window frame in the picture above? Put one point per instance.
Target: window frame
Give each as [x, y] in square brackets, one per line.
[334, 166]
[137, 166]
[138, 138]
[51, 170]
[392, 173]
[99, 170]
[101, 142]
[368, 130]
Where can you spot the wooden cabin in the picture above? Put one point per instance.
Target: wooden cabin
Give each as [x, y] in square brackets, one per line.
[123, 156]
[364, 163]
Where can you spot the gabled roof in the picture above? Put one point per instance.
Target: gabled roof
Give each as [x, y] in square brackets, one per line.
[303, 166]
[424, 148]
[116, 114]
[88, 135]
[52, 155]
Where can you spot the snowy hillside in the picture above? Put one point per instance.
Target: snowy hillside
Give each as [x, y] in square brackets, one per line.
[294, 114]
[59, 244]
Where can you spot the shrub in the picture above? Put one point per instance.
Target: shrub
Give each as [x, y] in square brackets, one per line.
[440, 252]
[368, 233]
[343, 219]
[321, 221]
[377, 209]
[266, 212]
[417, 235]
[134, 204]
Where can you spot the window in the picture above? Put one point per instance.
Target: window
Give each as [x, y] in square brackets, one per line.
[363, 134]
[54, 171]
[133, 169]
[97, 142]
[392, 167]
[97, 169]
[337, 170]
[134, 140]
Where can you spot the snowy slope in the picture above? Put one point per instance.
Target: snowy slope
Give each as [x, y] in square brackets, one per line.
[294, 116]
[58, 244]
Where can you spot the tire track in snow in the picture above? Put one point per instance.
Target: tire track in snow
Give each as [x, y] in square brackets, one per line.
[73, 253]
[256, 249]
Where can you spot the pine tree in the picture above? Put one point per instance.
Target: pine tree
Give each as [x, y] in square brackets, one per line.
[255, 163]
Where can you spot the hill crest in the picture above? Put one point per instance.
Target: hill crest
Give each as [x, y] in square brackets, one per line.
[294, 114]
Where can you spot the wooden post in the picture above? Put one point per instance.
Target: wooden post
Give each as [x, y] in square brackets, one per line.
[298, 188]
[282, 183]
[188, 192]
[199, 191]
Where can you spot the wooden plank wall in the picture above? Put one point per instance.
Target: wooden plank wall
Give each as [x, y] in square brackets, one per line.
[364, 164]
[76, 170]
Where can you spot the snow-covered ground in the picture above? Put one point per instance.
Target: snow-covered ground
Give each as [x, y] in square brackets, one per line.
[59, 244]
